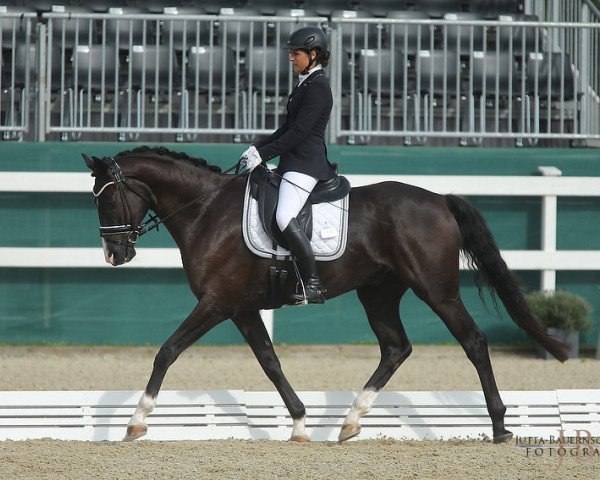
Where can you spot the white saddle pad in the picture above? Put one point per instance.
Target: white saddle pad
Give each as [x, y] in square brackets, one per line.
[330, 230]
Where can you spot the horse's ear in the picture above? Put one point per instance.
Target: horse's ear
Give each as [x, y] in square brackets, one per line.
[88, 161]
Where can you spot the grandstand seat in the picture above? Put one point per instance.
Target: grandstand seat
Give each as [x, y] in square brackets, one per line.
[550, 74]
[92, 86]
[490, 91]
[42, 5]
[75, 30]
[461, 37]
[549, 81]
[493, 73]
[410, 37]
[269, 7]
[286, 28]
[125, 31]
[152, 67]
[430, 67]
[95, 67]
[270, 71]
[382, 71]
[270, 79]
[491, 9]
[151, 82]
[382, 8]
[210, 68]
[159, 6]
[103, 6]
[18, 25]
[211, 84]
[437, 74]
[328, 8]
[437, 8]
[186, 33]
[523, 38]
[356, 36]
[239, 34]
[25, 57]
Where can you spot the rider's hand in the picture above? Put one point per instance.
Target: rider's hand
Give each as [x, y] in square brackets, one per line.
[250, 158]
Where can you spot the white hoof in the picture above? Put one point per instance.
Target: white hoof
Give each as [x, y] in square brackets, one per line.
[135, 431]
[349, 430]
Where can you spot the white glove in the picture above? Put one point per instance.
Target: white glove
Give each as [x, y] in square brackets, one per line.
[250, 158]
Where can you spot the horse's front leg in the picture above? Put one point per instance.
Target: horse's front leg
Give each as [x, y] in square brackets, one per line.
[253, 329]
[200, 321]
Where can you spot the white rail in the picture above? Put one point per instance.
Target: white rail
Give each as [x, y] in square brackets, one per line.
[223, 414]
[549, 186]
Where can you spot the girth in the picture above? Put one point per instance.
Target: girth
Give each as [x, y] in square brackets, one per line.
[264, 188]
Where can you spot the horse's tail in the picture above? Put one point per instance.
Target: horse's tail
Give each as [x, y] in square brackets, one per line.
[484, 258]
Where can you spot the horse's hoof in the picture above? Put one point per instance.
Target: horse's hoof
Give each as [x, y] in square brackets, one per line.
[300, 438]
[349, 430]
[504, 437]
[135, 431]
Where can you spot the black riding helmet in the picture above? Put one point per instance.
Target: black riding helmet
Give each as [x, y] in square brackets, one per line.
[308, 38]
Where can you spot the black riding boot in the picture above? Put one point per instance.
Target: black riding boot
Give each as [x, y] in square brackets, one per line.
[302, 250]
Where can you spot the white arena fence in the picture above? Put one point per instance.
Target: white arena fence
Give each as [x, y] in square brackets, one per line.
[237, 414]
[548, 260]
[522, 77]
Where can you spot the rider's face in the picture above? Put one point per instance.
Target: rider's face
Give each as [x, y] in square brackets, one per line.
[300, 59]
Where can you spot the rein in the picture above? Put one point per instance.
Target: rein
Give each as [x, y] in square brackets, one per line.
[153, 222]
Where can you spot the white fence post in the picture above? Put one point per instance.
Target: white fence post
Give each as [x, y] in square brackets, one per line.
[549, 222]
[267, 317]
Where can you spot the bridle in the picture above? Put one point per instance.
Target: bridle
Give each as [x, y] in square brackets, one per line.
[133, 232]
[107, 233]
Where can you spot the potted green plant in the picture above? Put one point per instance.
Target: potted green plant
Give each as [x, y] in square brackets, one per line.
[563, 314]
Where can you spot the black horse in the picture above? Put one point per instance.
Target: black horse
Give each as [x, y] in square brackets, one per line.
[400, 237]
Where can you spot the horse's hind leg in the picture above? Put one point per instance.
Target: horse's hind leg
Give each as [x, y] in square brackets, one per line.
[200, 321]
[381, 304]
[474, 342]
[253, 329]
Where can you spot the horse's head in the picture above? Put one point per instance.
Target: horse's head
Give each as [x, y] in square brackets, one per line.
[122, 204]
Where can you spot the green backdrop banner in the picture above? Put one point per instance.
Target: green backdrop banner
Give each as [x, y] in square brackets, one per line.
[144, 306]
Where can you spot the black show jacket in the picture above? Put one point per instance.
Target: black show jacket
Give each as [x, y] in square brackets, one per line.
[300, 141]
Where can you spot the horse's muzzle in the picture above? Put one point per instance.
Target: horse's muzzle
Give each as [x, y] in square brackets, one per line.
[116, 254]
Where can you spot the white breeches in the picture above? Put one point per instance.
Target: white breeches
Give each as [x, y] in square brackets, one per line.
[293, 196]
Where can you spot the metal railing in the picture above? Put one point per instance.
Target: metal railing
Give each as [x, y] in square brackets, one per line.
[17, 72]
[406, 77]
[466, 78]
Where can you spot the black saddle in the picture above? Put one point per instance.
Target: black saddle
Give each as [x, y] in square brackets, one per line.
[264, 188]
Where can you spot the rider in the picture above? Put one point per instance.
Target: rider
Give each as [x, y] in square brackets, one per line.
[300, 144]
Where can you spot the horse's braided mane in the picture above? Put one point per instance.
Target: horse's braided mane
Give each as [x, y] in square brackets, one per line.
[198, 162]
